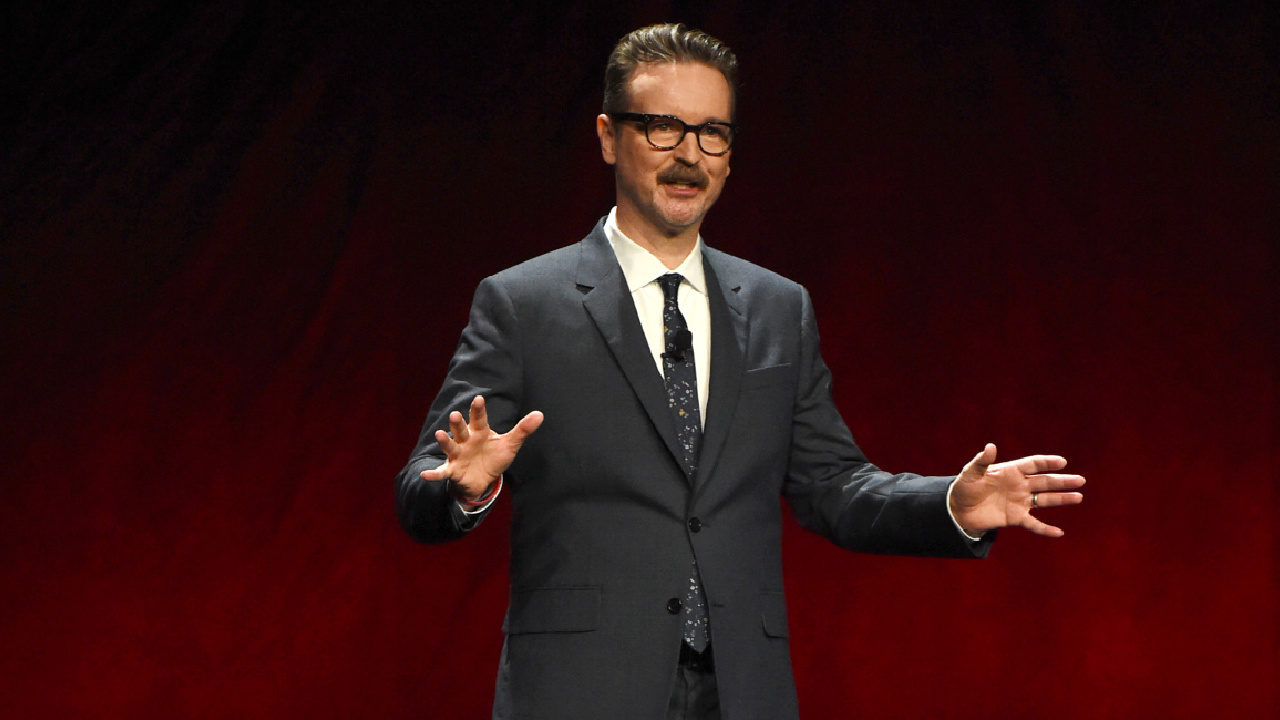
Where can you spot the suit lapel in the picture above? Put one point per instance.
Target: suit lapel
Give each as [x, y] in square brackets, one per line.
[728, 344]
[612, 310]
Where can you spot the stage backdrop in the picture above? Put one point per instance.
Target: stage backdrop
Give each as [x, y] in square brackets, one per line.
[239, 243]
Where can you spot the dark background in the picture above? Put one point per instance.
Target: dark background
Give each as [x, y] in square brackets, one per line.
[239, 243]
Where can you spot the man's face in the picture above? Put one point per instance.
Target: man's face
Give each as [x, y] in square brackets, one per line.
[667, 192]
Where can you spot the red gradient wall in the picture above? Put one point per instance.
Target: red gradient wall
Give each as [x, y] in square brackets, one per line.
[238, 246]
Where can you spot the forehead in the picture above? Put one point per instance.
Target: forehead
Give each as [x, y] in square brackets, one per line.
[691, 91]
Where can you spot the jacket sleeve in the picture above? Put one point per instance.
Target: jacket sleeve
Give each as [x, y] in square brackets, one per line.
[838, 494]
[487, 362]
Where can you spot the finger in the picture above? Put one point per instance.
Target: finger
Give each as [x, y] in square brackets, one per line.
[1044, 499]
[479, 415]
[1032, 464]
[436, 475]
[1034, 525]
[1053, 482]
[458, 427]
[446, 443]
[525, 428]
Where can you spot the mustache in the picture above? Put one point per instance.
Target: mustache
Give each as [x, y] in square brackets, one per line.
[681, 174]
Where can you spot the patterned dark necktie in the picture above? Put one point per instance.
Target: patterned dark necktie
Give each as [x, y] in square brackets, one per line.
[682, 397]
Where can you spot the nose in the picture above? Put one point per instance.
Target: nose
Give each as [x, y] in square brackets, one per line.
[688, 152]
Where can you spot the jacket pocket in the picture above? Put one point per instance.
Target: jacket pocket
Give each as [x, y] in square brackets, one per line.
[773, 614]
[553, 609]
[766, 376]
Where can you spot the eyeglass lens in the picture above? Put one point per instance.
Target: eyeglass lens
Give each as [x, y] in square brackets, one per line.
[666, 133]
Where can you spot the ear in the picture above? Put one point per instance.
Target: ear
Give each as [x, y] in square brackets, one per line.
[604, 131]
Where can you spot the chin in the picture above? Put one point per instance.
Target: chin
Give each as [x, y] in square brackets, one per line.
[680, 218]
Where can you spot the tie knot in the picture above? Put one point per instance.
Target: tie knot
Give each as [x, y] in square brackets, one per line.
[670, 284]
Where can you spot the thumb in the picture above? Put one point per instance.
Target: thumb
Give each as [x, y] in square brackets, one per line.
[978, 466]
[527, 425]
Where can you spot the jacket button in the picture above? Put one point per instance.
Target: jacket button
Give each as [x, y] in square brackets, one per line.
[695, 524]
[674, 605]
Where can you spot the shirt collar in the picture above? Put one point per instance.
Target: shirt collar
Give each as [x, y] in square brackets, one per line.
[640, 267]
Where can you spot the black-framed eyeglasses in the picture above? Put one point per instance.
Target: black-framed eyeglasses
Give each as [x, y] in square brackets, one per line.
[665, 132]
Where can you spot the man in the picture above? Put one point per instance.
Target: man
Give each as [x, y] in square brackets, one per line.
[675, 392]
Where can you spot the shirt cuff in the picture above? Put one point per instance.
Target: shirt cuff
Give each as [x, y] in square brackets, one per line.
[953, 515]
[479, 509]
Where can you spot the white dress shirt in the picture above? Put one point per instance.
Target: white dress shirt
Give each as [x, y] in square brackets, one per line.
[641, 269]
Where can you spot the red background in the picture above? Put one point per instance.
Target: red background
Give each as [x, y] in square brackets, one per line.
[239, 244]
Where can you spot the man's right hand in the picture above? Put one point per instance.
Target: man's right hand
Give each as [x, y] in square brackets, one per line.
[477, 456]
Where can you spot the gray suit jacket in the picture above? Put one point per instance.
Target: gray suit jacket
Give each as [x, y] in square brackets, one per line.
[603, 531]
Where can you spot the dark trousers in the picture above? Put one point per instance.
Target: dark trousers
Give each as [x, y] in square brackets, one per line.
[695, 696]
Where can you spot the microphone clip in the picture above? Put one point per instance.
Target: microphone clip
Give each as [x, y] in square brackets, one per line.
[680, 342]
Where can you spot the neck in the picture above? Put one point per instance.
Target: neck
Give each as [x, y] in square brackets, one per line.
[671, 250]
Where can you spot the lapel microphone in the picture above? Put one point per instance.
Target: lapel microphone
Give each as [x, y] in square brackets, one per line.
[681, 342]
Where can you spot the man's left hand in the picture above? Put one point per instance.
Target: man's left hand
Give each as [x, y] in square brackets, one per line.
[990, 495]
